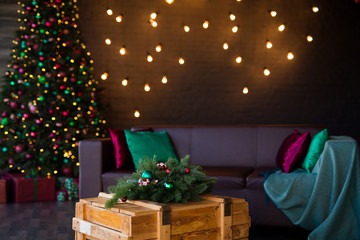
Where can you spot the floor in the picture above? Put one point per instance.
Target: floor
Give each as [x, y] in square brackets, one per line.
[52, 221]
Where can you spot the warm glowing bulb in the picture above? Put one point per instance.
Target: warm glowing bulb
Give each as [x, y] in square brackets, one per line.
[104, 76]
[245, 90]
[181, 61]
[153, 15]
[273, 13]
[281, 27]
[268, 44]
[232, 16]
[164, 80]
[235, 29]
[124, 82]
[169, 1]
[226, 46]
[108, 41]
[266, 72]
[109, 12]
[315, 9]
[186, 28]
[119, 18]
[153, 23]
[136, 113]
[290, 56]
[238, 59]
[147, 87]
[149, 58]
[309, 38]
[158, 48]
[206, 24]
[122, 51]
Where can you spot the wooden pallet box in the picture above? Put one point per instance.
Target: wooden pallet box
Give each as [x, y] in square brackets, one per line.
[214, 217]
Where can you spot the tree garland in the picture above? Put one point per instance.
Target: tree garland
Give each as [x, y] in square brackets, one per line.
[172, 181]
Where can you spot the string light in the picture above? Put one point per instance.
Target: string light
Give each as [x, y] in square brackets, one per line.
[268, 44]
[245, 90]
[153, 22]
[122, 50]
[273, 13]
[147, 87]
[124, 82]
[164, 80]
[136, 113]
[266, 72]
[104, 76]
[290, 56]
[309, 38]
[238, 59]
[170, 1]
[109, 12]
[158, 48]
[108, 41]
[149, 58]
[153, 15]
[186, 28]
[206, 24]
[235, 29]
[315, 9]
[232, 16]
[119, 18]
[281, 28]
[225, 46]
[181, 61]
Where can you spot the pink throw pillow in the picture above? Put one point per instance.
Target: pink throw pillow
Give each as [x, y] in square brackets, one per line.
[121, 150]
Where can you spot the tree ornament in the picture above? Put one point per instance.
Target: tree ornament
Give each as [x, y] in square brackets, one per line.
[162, 166]
[67, 171]
[13, 105]
[5, 121]
[144, 181]
[168, 185]
[124, 199]
[187, 170]
[147, 174]
[168, 171]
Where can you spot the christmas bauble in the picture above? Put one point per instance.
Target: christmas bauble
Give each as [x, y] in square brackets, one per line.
[168, 185]
[147, 174]
[124, 199]
[187, 170]
[13, 105]
[67, 171]
[168, 171]
[5, 121]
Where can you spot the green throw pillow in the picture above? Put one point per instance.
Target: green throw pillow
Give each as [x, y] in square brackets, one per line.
[148, 144]
[316, 147]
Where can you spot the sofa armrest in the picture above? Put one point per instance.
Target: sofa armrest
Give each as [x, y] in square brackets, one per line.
[95, 156]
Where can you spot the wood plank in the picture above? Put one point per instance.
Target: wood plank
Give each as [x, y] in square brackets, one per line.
[241, 218]
[225, 222]
[163, 230]
[96, 231]
[192, 205]
[240, 231]
[211, 234]
[193, 220]
[79, 210]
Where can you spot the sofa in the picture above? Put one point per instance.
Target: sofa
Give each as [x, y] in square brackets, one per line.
[236, 155]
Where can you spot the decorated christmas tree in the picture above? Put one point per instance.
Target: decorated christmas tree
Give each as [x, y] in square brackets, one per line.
[50, 98]
[172, 181]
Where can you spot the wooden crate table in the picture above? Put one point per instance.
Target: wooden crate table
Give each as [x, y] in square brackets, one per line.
[214, 217]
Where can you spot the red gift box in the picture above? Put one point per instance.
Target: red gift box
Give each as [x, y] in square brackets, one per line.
[28, 189]
[3, 195]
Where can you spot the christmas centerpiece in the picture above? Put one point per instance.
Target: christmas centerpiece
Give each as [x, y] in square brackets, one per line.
[165, 182]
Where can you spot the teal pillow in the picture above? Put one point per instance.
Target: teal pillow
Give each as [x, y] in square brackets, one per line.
[316, 147]
[149, 144]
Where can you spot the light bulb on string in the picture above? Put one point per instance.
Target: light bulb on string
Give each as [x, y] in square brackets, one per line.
[232, 16]
[181, 61]
[147, 87]
[153, 15]
[238, 59]
[186, 28]
[266, 72]
[104, 76]
[119, 18]
[290, 56]
[268, 44]
[158, 48]
[281, 28]
[309, 38]
[153, 23]
[122, 50]
[109, 12]
[136, 113]
[108, 41]
[235, 29]
[273, 13]
[169, 1]
[245, 90]
[206, 24]
[315, 9]
[125, 82]
[164, 80]
[225, 46]
[149, 58]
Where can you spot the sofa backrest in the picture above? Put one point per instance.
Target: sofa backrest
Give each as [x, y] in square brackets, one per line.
[239, 145]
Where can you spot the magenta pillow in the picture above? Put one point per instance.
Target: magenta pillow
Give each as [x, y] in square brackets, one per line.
[122, 153]
[293, 151]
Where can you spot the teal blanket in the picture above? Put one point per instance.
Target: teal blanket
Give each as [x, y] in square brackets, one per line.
[326, 201]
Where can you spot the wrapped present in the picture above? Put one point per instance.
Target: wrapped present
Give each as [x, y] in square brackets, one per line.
[61, 195]
[3, 189]
[68, 185]
[29, 189]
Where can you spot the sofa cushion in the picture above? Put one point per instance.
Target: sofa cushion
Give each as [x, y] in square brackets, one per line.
[149, 144]
[121, 151]
[316, 147]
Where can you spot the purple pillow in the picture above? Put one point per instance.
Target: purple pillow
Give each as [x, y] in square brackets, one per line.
[121, 150]
[293, 151]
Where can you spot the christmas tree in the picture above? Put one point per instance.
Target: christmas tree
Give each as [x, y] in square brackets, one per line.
[50, 98]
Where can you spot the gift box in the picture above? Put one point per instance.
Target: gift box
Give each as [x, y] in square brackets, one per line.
[3, 190]
[67, 188]
[29, 189]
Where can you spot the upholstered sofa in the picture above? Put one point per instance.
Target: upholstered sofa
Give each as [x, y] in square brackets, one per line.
[235, 155]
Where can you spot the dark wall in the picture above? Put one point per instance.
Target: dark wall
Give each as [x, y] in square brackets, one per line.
[319, 86]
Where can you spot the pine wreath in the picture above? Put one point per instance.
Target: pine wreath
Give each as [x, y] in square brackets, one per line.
[165, 182]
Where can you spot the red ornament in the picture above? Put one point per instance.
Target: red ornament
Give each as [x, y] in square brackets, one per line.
[33, 134]
[19, 148]
[28, 156]
[67, 171]
[124, 199]
[65, 114]
[187, 170]
[168, 171]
